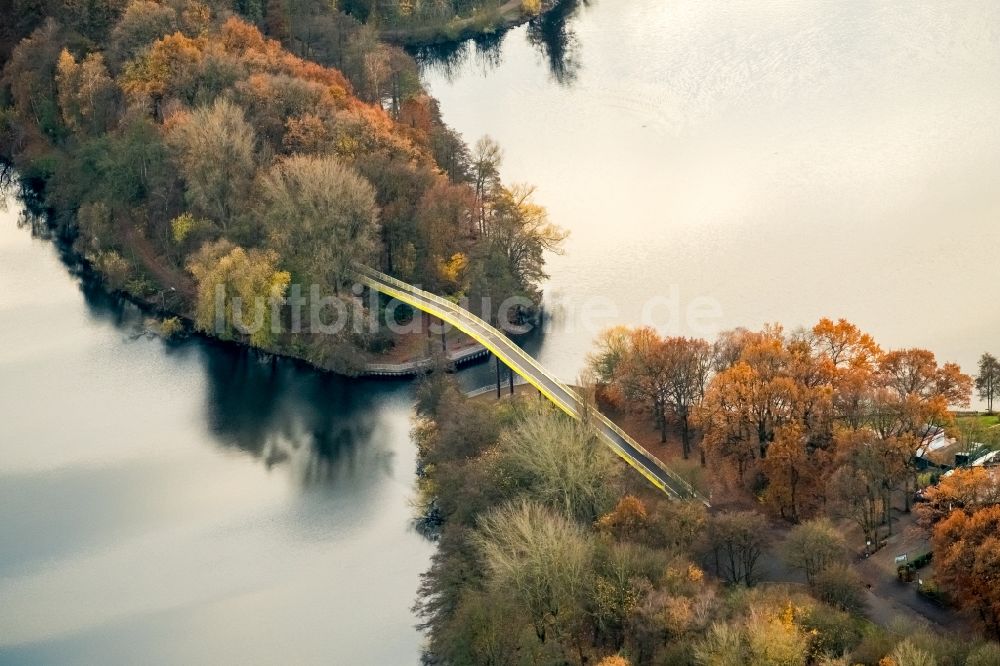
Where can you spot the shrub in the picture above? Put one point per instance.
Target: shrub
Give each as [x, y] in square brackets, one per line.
[115, 270]
[932, 592]
[877, 643]
[627, 520]
[532, 7]
[907, 654]
[813, 546]
[171, 326]
[723, 645]
[184, 225]
[840, 587]
[140, 286]
[613, 660]
[928, 478]
[985, 655]
[834, 632]
[827, 660]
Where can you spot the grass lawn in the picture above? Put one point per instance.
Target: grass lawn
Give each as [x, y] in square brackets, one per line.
[982, 420]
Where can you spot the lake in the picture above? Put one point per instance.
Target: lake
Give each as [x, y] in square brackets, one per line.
[724, 163]
[182, 503]
[719, 163]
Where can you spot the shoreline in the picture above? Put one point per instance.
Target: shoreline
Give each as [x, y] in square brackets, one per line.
[504, 17]
[407, 369]
[372, 366]
[75, 263]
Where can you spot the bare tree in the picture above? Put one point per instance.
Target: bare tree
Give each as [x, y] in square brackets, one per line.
[734, 543]
[214, 148]
[813, 546]
[321, 216]
[562, 461]
[539, 557]
[487, 156]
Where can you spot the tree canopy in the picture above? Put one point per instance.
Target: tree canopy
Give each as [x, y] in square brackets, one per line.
[321, 216]
[187, 126]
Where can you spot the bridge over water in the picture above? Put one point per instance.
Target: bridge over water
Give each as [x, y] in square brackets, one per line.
[532, 371]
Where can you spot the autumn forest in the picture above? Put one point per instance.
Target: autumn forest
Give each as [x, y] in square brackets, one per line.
[210, 164]
[192, 154]
[811, 445]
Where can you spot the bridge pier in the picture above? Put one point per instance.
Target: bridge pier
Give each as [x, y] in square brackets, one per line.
[498, 375]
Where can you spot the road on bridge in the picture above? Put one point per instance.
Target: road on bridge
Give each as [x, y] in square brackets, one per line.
[525, 365]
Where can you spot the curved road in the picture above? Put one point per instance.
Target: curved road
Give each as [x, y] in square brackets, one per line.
[525, 365]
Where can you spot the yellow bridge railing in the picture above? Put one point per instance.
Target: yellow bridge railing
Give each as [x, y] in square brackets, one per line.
[565, 398]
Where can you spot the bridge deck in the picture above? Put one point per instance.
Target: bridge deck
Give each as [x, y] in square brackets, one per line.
[527, 367]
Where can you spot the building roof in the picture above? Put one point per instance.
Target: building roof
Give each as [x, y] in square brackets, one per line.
[991, 458]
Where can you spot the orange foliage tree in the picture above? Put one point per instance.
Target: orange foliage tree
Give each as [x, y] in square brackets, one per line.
[666, 376]
[910, 399]
[793, 472]
[967, 558]
[968, 490]
[781, 412]
[773, 399]
[627, 520]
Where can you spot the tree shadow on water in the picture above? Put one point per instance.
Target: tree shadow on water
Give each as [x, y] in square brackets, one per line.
[321, 426]
[449, 58]
[553, 35]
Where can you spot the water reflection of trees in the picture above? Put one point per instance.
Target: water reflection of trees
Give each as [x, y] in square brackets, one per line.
[552, 34]
[449, 58]
[319, 425]
[322, 427]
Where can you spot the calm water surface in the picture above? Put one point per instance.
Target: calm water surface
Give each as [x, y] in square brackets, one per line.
[182, 503]
[785, 159]
[185, 504]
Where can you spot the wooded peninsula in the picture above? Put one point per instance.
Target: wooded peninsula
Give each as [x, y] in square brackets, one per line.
[184, 154]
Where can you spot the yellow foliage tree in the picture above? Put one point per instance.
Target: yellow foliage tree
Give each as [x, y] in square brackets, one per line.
[452, 269]
[85, 91]
[614, 660]
[239, 291]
